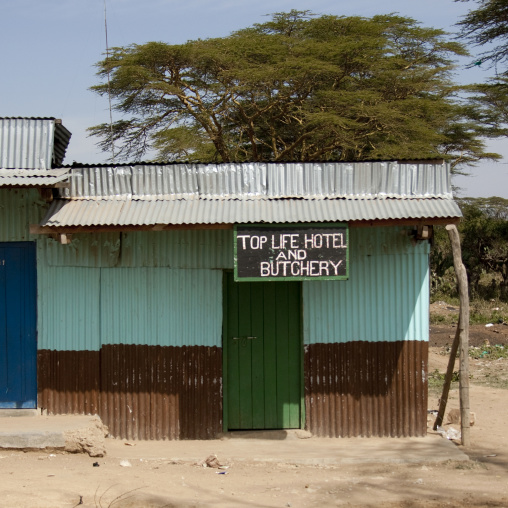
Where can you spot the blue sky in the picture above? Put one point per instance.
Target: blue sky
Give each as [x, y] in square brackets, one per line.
[50, 48]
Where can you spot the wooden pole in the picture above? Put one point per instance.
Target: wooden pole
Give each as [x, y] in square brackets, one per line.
[448, 379]
[463, 332]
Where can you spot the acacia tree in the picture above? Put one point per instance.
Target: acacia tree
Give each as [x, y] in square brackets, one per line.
[297, 87]
[487, 26]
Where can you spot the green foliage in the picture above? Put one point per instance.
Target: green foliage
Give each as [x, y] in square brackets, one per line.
[438, 376]
[488, 352]
[484, 238]
[488, 25]
[298, 87]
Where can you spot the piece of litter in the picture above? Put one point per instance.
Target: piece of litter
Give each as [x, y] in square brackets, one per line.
[491, 455]
[130, 444]
[488, 325]
[221, 472]
[51, 475]
[125, 463]
[95, 464]
[210, 461]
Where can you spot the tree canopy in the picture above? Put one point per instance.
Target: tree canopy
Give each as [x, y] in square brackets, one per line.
[488, 25]
[297, 87]
[484, 230]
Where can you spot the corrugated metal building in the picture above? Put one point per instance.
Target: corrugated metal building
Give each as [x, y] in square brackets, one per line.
[142, 318]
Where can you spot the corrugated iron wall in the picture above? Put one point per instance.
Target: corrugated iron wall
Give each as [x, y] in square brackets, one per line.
[140, 392]
[178, 249]
[134, 333]
[26, 142]
[18, 209]
[385, 299]
[161, 306]
[68, 317]
[131, 335]
[366, 389]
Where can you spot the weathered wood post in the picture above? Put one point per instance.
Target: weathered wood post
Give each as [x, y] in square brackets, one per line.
[463, 333]
[448, 379]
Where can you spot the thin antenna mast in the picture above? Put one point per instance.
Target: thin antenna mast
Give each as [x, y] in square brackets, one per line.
[109, 85]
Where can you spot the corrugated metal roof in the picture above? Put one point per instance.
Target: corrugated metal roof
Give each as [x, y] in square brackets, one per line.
[32, 178]
[82, 212]
[146, 195]
[275, 180]
[32, 143]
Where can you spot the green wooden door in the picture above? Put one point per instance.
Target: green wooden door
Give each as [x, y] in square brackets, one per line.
[262, 355]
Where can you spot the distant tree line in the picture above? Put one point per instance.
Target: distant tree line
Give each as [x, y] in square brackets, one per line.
[484, 237]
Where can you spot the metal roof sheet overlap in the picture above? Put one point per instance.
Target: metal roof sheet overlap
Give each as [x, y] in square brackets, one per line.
[32, 177]
[207, 211]
[146, 195]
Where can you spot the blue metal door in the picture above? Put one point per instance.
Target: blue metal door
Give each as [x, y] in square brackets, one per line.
[18, 343]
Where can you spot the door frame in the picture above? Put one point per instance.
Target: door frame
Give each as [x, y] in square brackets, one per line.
[225, 407]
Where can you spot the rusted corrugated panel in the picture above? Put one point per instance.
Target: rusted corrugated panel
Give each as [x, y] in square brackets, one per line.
[68, 381]
[366, 389]
[162, 392]
[230, 211]
[140, 392]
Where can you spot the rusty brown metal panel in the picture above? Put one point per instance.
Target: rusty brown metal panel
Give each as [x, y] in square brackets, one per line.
[366, 389]
[140, 392]
[68, 381]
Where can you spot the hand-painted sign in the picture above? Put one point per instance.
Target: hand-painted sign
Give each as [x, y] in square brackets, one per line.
[300, 252]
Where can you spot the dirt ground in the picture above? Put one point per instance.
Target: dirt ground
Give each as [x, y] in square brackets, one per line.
[45, 479]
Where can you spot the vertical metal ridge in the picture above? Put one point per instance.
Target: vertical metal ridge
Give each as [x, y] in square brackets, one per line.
[140, 392]
[386, 298]
[366, 389]
[257, 179]
[27, 143]
[18, 209]
[161, 306]
[68, 381]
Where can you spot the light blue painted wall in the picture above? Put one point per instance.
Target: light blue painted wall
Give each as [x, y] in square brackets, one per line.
[18, 209]
[87, 295]
[173, 249]
[68, 313]
[134, 288]
[385, 299]
[161, 306]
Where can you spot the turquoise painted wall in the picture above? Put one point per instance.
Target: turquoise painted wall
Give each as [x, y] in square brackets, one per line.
[85, 308]
[18, 209]
[385, 299]
[161, 288]
[166, 287]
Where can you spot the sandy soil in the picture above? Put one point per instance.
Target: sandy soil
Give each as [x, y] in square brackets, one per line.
[44, 479]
